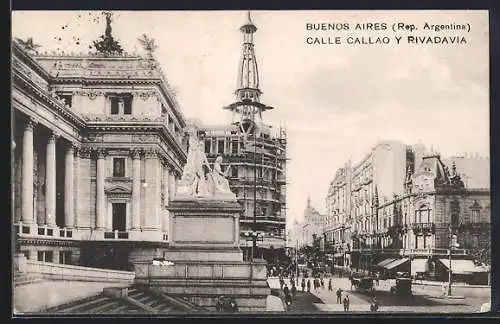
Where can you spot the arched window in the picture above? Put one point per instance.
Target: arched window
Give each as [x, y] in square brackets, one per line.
[423, 214]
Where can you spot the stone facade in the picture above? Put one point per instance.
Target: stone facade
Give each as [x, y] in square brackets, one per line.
[98, 146]
[428, 204]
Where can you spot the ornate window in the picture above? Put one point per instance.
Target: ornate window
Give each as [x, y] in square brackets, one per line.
[67, 98]
[208, 146]
[455, 213]
[220, 146]
[121, 104]
[118, 167]
[475, 212]
[423, 214]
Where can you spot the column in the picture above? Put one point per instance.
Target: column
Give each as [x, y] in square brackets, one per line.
[166, 194]
[76, 172]
[69, 220]
[171, 184]
[136, 190]
[100, 216]
[150, 217]
[27, 174]
[50, 182]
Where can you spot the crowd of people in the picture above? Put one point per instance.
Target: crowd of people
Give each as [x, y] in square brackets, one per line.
[316, 283]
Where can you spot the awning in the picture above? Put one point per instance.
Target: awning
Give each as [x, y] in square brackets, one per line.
[384, 262]
[461, 266]
[396, 263]
[418, 265]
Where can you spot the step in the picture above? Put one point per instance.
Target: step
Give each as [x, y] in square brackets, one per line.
[84, 306]
[104, 307]
[155, 303]
[136, 294]
[122, 309]
[166, 309]
[146, 299]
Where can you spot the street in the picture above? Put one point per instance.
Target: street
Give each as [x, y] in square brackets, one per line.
[425, 299]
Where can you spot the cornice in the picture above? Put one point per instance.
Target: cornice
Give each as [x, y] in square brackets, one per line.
[58, 107]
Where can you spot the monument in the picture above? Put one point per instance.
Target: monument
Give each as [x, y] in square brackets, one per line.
[204, 261]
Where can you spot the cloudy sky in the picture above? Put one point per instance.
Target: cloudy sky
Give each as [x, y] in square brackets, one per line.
[336, 101]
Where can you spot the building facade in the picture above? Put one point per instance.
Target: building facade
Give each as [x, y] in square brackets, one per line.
[97, 147]
[313, 225]
[254, 155]
[406, 219]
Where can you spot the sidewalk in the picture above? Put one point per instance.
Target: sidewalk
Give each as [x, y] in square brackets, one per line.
[439, 283]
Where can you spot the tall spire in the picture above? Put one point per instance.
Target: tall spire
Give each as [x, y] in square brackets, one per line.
[248, 106]
[248, 73]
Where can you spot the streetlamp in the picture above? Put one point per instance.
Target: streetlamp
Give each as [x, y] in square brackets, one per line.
[453, 244]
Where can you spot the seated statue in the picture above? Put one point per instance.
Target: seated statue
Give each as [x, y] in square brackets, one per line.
[221, 184]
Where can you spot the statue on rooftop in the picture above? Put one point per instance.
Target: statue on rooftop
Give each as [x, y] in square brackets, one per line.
[149, 44]
[28, 45]
[107, 45]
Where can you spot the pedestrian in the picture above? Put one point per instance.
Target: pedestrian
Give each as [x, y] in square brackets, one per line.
[377, 277]
[303, 284]
[294, 291]
[346, 303]
[339, 296]
[308, 285]
[374, 305]
[322, 283]
[288, 298]
[330, 285]
[282, 283]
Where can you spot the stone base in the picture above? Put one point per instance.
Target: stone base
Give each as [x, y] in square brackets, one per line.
[249, 296]
[204, 254]
[203, 283]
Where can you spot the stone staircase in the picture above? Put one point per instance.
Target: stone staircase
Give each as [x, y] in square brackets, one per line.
[134, 301]
[99, 304]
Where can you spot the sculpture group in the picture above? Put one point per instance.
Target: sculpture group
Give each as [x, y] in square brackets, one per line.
[199, 180]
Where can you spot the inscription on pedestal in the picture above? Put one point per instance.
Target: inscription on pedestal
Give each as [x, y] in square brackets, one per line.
[204, 230]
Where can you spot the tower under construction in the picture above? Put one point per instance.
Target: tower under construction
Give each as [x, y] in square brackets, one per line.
[255, 154]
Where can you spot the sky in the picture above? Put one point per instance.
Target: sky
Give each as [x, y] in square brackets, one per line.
[336, 101]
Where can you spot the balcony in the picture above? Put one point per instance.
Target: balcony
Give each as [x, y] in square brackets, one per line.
[44, 231]
[474, 228]
[431, 252]
[423, 228]
[396, 231]
[116, 235]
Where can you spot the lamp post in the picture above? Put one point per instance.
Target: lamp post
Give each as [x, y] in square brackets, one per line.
[453, 244]
[297, 261]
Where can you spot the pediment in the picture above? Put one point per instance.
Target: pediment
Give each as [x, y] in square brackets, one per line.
[118, 190]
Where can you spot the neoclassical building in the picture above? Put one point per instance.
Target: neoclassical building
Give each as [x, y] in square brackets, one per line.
[97, 146]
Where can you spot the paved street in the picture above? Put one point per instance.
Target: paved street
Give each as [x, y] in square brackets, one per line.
[425, 299]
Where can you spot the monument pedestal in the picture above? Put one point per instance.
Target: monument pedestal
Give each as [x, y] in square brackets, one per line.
[207, 260]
